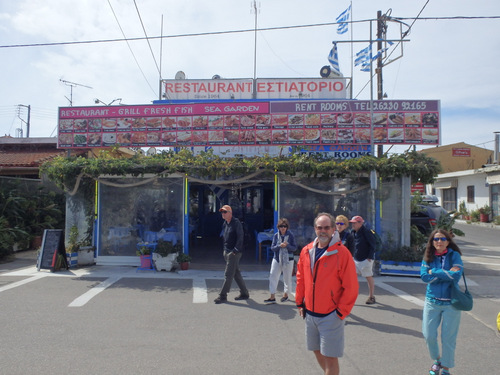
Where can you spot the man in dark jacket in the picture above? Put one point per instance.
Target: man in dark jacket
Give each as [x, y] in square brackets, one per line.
[364, 254]
[233, 237]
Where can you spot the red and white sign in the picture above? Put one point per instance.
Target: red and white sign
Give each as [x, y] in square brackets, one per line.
[252, 123]
[235, 89]
[461, 152]
[309, 88]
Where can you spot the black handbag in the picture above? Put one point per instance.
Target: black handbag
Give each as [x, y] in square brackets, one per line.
[461, 300]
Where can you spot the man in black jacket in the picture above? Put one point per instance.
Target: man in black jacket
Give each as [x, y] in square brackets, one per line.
[233, 236]
[364, 254]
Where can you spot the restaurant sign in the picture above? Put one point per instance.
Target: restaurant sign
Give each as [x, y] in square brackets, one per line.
[237, 89]
[253, 123]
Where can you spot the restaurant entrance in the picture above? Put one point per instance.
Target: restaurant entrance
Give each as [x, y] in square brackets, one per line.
[252, 205]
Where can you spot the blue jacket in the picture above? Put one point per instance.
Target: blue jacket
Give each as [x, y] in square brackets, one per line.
[364, 244]
[440, 282]
[275, 246]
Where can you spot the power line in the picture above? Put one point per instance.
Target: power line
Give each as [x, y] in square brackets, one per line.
[129, 47]
[406, 33]
[147, 39]
[125, 39]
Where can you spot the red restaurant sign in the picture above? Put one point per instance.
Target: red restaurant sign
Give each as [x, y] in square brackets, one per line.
[464, 152]
[293, 123]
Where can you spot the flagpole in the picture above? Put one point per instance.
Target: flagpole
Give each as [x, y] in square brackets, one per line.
[371, 94]
[352, 52]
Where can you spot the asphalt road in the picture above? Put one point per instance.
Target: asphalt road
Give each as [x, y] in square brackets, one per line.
[114, 320]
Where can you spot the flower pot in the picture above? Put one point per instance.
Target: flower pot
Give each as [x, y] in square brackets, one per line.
[484, 218]
[145, 261]
[164, 263]
[184, 266]
[86, 256]
[36, 242]
[72, 259]
[391, 267]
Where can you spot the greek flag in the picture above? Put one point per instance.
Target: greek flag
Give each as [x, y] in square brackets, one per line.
[363, 57]
[381, 51]
[342, 20]
[333, 58]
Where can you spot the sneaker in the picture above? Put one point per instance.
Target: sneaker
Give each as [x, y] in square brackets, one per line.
[435, 368]
[370, 301]
[220, 300]
[270, 301]
[242, 296]
[284, 299]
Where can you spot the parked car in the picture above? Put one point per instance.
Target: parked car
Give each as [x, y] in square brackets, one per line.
[427, 214]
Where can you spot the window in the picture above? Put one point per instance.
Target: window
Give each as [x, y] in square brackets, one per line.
[450, 199]
[470, 194]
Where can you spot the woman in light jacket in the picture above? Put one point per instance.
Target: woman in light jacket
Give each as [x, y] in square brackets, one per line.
[441, 268]
[283, 247]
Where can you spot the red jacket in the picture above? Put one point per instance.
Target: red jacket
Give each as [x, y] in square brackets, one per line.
[331, 285]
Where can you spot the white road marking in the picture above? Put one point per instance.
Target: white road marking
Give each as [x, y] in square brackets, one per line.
[22, 282]
[84, 298]
[401, 294]
[200, 293]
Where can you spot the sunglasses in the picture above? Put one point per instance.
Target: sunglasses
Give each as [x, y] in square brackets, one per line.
[283, 226]
[339, 223]
[437, 239]
[327, 227]
[223, 212]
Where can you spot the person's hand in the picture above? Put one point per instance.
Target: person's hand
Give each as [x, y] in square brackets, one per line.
[455, 268]
[284, 244]
[302, 312]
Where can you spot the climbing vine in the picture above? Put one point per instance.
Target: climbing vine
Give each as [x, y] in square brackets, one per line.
[65, 170]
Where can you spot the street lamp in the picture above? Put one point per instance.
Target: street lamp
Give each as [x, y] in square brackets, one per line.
[97, 101]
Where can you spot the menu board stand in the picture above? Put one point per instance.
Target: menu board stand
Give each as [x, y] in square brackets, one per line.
[52, 253]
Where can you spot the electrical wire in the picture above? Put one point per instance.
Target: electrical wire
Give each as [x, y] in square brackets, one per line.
[147, 39]
[129, 47]
[397, 44]
[227, 32]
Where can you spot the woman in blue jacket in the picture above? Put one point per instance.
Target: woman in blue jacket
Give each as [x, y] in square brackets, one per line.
[283, 246]
[441, 268]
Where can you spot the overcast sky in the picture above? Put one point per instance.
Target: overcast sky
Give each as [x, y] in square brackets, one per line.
[454, 61]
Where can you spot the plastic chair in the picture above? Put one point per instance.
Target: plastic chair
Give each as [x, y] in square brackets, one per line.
[269, 252]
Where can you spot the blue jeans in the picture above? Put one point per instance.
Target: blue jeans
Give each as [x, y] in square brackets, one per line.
[434, 315]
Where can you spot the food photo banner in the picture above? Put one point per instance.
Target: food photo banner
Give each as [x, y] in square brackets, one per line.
[293, 123]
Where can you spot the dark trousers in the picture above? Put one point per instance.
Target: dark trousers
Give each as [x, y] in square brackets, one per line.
[232, 272]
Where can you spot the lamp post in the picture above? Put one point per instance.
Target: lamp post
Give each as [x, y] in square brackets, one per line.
[97, 101]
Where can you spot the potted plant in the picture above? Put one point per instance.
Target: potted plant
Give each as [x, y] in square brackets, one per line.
[183, 260]
[462, 210]
[484, 214]
[474, 216]
[73, 247]
[144, 253]
[165, 255]
[404, 260]
[85, 253]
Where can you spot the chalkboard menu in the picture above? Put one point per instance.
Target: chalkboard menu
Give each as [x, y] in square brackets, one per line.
[52, 254]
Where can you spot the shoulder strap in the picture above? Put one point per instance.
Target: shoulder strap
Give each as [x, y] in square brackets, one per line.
[465, 282]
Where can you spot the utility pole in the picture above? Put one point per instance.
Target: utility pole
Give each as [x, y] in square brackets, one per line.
[27, 122]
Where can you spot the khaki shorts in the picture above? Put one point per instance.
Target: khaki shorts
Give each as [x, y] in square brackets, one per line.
[325, 334]
[365, 267]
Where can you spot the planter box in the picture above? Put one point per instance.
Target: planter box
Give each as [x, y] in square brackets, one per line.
[86, 256]
[72, 259]
[390, 267]
[164, 263]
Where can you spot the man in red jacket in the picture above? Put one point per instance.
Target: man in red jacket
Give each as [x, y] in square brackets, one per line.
[327, 288]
